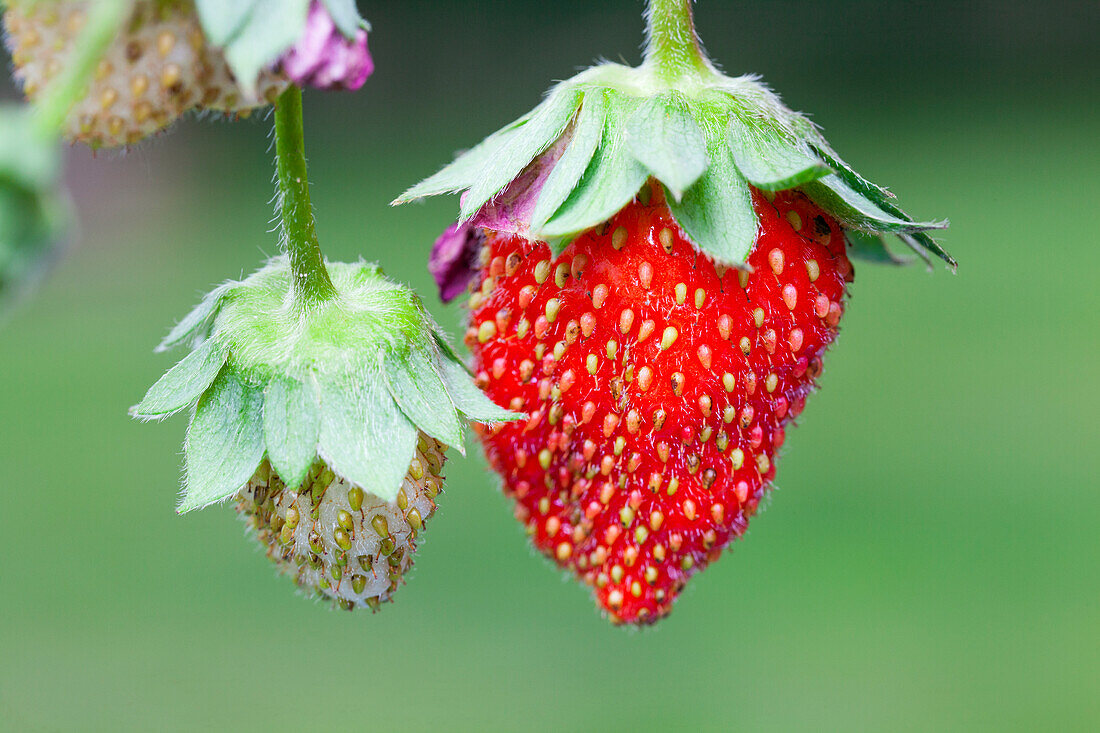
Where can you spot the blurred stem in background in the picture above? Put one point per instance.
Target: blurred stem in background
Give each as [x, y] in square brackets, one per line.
[312, 283]
[105, 18]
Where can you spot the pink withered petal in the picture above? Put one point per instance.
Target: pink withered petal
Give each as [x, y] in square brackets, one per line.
[453, 262]
[325, 58]
[513, 207]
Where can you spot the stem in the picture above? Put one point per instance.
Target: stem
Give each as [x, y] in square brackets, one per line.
[672, 46]
[100, 30]
[312, 283]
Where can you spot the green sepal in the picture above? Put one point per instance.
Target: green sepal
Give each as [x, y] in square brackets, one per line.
[419, 391]
[461, 174]
[195, 326]
[292, 427]
[856, 211]
[225, 442]
[365, 437]
[346, 16]
[664, 137]
[588, 130]
[252, 33]
[716, 213]
[610, 182]
[182, 385]
[533, 138]
[768, 157]
[473, 403]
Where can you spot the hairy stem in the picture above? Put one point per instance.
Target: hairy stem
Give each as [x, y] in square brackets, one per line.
[672, 46]
[312, 283]
[105, 18]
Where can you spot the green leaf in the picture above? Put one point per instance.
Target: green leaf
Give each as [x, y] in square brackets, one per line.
[769, 158]
[418, 389]
[716, 213]
[547, 123]
[183, 384]
[346, 16]
[196, 324]
[253, 33]
[587, 134]
[365, 437]
[473, 403]
[463, 172]
[856, 211]
[611, 180]
[663, 137]
[225, 441]
[292, 427]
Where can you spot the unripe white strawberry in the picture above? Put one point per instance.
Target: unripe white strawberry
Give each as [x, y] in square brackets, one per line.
[338, 540]
[158, 68]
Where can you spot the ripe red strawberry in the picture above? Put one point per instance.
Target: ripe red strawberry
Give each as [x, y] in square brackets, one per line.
[663, 264]
[658, 385]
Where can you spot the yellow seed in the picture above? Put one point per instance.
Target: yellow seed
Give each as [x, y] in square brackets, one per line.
[737, 459]
[139, 85]
[813, 270]
[612, 347]
[355, 497]
[108, 98]
[618, 237]
[486, 331]
[700, 297]
[681, 293]
[344, 519]
[542, 271]
[381, 525]
[553, 306]
[668, 338]
[166, 41]
[414, 518]
[592, 363]
[665, 236]
[729, 382]
[171, 76]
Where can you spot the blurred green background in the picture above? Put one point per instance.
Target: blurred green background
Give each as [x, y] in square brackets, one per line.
[929, 560]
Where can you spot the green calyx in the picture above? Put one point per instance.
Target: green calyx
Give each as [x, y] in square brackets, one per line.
[350, 380]
[587, 149]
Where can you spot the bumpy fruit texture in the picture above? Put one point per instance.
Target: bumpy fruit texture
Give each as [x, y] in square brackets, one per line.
[159, 68]
[337, 540]
[659, 386]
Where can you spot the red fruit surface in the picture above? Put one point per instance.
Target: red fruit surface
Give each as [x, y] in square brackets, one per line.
[658, 386]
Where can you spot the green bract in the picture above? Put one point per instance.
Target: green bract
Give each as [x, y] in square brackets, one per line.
[34, 213]
[351, 380]
[706, 137]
